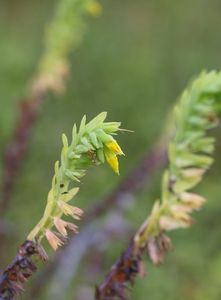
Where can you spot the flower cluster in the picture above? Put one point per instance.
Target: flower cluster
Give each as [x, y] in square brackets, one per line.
[92, 144]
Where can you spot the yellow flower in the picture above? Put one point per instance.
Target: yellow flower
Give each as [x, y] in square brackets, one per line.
[111, 150]
[114, 147]
[112, 160]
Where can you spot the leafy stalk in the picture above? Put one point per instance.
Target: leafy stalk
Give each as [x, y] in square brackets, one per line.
[92, 144]
[189, 154]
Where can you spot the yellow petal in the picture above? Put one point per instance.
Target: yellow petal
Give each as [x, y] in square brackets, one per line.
[114, 146]
[112, 161]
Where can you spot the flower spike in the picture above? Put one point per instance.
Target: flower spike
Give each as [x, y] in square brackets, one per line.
[92, 144]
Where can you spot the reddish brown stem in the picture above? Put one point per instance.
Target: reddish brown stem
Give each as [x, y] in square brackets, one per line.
[121, 276]
[21, 268]
[17, 148]
[123, 273]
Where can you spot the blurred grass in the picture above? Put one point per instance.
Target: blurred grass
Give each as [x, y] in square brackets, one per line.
[133, 62]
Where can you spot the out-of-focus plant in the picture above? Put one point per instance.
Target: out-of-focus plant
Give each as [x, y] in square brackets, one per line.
[91, 145]
[189, 155]
[63, 35]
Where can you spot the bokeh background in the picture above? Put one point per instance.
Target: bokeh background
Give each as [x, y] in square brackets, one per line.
[133, 62]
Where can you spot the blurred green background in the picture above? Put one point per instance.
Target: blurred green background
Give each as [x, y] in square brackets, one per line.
[134, 61]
